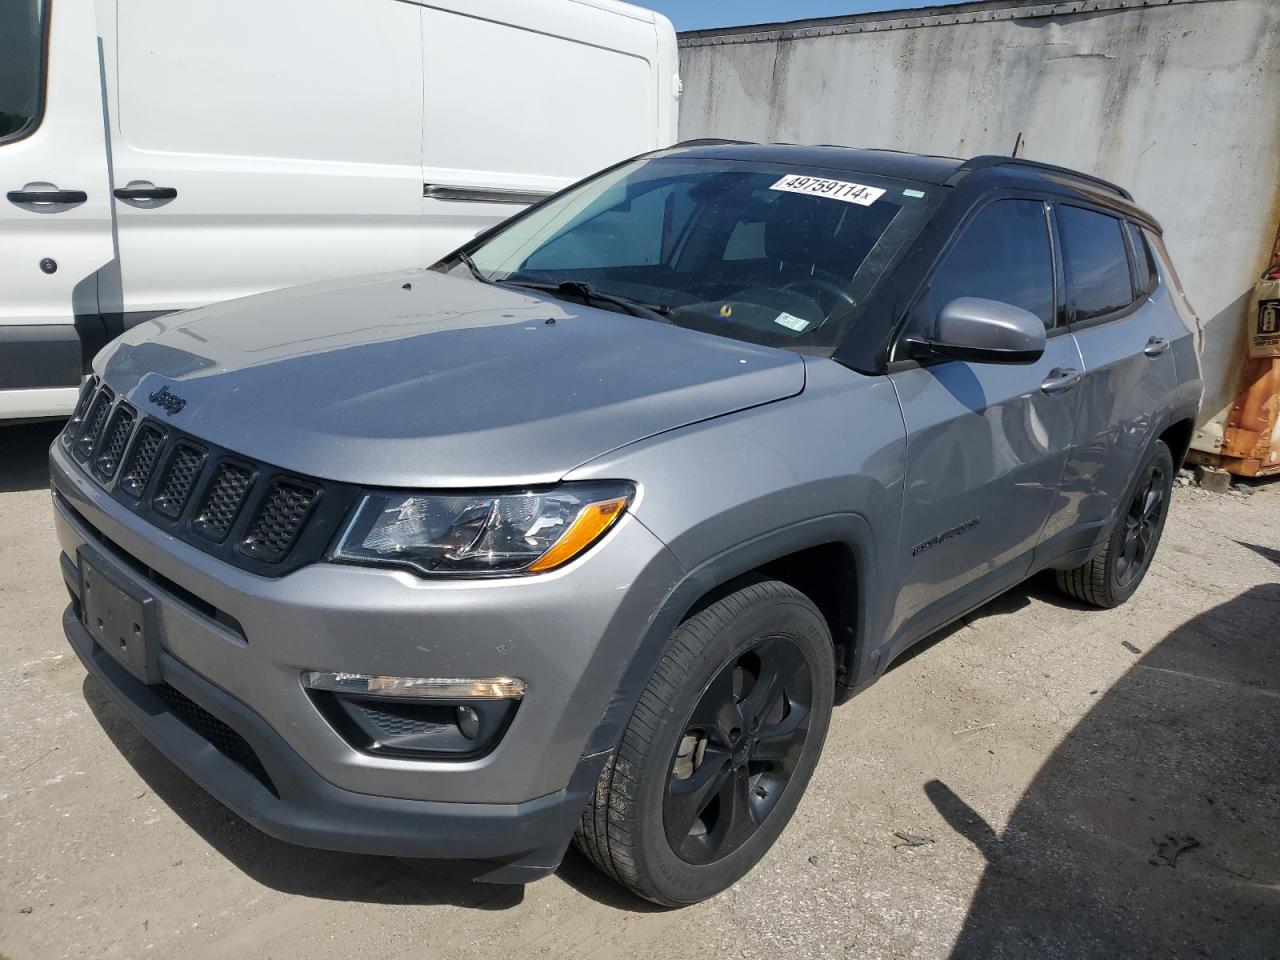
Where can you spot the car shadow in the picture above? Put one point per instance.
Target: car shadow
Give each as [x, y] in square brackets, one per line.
[24, 455]
[1154, 828]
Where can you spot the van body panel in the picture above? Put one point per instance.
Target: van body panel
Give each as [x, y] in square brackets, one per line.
[50, 252]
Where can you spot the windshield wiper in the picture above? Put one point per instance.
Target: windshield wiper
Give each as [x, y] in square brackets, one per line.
[471, 265]
[584, 291]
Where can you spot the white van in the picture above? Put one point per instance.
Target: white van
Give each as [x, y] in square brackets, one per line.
[157, 155]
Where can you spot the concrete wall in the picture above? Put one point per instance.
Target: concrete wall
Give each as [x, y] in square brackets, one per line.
[1180, 102]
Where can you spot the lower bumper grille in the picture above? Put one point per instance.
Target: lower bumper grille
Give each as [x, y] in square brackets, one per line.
[225, 740]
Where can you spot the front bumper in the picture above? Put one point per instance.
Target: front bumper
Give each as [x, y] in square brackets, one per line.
[236, 644]
[505, 843]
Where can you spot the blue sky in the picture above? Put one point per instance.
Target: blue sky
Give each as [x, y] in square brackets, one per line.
[700, 14]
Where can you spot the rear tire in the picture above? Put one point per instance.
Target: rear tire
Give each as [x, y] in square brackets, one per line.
[1111, 578]
[719, 750]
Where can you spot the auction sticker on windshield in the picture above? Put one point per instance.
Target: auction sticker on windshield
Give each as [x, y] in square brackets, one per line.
[830, 189]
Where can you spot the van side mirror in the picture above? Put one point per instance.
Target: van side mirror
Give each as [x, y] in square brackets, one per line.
[978, 330]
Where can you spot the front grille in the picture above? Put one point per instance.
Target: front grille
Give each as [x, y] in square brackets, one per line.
[225, 740]
[177, 480]
[281, 516]
[112, 448]
[223, 501]
[245, 512]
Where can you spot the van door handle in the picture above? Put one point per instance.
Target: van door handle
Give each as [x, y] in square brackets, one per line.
[47, 196]
[1060, 379]
[145, 193]
[1156, 346]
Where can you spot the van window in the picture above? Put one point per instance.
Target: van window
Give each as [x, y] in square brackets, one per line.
[1003, 254]
[1097, 264]
[21, 66]
[500, 99]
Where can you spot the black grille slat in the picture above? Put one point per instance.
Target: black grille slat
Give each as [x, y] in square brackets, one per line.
[116, 438]
[95, 419]
[223, 501]
[223, 738]
[178, 480]
[77, 417]
[142, 460]
[279, 520]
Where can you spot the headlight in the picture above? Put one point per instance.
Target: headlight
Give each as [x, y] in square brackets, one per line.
[484, 533]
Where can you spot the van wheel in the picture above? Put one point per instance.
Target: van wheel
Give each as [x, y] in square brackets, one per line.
[1110, 578]
[719, 749]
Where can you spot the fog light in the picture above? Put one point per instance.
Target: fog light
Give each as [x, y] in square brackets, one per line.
[468, 722]
[419, 688]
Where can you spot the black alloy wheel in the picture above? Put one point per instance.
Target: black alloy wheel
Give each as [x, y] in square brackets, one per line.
[1142, 522]
[741, 745]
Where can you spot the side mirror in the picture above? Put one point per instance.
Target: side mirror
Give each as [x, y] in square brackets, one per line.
[982, 331]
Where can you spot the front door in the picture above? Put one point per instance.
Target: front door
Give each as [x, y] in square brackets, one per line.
[986, 443]
[55, 215]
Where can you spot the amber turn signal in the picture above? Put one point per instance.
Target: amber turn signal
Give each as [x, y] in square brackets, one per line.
[585, 530]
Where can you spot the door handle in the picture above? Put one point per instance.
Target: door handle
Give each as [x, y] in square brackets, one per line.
[145, 193]
[47, 196]
[1156, 346]
[1060, 379]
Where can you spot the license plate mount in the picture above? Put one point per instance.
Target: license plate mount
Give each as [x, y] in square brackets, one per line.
[119, 616]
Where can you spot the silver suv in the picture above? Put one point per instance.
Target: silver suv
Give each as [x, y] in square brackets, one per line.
[582, 532]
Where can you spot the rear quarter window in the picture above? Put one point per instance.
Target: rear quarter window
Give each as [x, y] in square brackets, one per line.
[1096, 261]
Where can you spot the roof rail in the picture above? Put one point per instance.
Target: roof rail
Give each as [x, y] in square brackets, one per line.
[995, 160]
[713, 142]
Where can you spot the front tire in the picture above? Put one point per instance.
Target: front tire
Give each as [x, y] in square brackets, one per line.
[1111, 578]
[719, 750]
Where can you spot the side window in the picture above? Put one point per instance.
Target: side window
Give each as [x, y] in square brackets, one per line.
[1145, 275]
[636, 234]
[1002, 254]
[1096, 262]
[21, 66]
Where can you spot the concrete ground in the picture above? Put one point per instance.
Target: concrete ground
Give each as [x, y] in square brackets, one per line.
[1052, 760]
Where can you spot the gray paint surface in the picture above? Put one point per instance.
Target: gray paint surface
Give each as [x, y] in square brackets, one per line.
[1178, 102]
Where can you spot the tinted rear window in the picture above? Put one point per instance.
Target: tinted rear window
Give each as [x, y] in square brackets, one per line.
[1096, 261]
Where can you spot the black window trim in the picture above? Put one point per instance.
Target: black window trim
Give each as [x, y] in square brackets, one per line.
[1060, 326]
[1137, 300]
[38, 120]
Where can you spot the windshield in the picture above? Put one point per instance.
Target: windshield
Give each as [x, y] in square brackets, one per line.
[762, 252]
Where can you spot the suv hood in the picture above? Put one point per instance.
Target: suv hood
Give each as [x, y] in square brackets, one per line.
[417, 379]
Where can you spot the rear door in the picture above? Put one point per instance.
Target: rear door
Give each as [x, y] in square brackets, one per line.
[986, 443]
[261, 145]
[1125, 343]
[55, 215]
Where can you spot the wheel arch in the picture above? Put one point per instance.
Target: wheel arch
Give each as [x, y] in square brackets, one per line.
[794, 554]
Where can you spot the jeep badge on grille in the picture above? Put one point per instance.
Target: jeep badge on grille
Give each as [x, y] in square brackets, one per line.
[170, 403]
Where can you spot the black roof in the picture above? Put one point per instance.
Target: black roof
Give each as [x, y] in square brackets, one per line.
[885, 163]
[993, 170]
